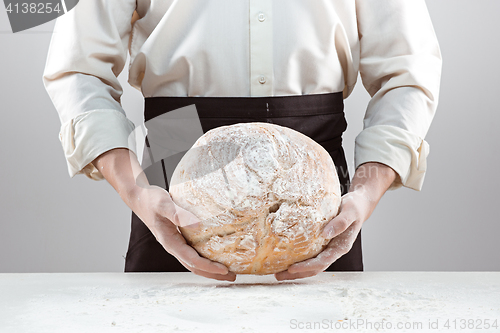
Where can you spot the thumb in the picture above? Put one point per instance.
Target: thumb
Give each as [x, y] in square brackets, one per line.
[181, 217]
[185, 218]
[338, 224]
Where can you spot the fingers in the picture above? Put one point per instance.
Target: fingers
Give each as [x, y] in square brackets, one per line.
[179, 216]
[337, 247]
[184, 218]
[286, 275]
[164, 219]
[339, 224]
[342, 230]
[176, 245]
[189, 256]
[348, 215]
[310, 267]
[162, 203]
[318, 263]
[190, 259]
[230, 276]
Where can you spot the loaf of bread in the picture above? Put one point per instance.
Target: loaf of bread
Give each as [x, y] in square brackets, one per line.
[263, 193]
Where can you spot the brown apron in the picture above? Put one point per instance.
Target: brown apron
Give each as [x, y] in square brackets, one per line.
[319, 116]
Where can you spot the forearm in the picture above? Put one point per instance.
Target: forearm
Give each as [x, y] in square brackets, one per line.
[372, 180]
[121, 168]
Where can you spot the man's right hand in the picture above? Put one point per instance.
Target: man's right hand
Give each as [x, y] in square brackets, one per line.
[154, 206]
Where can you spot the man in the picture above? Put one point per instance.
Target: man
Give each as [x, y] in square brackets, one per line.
[289, 62]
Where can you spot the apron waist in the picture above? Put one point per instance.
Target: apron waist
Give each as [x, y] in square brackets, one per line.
[319, 116]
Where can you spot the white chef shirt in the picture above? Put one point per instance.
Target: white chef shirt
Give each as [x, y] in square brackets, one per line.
[245, 49]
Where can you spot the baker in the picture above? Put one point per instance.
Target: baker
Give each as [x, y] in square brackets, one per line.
[290, 63]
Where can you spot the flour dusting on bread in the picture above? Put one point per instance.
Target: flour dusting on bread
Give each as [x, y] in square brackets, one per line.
[263, 192]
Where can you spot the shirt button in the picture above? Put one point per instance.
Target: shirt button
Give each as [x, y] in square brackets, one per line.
[261, 17]
[262, 79]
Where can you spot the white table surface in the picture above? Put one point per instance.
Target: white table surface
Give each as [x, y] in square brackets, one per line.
[184, 302]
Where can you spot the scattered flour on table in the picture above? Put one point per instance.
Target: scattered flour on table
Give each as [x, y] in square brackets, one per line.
[231, 307]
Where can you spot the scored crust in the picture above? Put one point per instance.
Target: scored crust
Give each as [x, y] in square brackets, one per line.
[263, 193]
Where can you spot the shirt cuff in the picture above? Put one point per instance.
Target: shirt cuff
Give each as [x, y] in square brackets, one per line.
[397, 148]
[92, 133]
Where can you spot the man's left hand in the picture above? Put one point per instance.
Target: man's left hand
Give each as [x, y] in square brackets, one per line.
[369, 184]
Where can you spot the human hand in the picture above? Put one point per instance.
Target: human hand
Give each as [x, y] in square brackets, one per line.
[346, 226]
[355, 208]
[154, 206]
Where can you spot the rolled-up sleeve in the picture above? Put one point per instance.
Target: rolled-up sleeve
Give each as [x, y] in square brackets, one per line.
[400, 66]
[87, 52]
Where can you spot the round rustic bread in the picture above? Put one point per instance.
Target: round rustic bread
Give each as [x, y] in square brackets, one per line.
[263, 193]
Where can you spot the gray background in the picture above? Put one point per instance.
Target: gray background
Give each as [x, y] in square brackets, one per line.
[51, 223]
